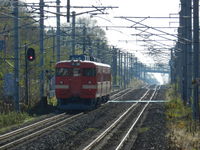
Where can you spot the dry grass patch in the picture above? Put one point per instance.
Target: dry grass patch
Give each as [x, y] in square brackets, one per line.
[184, 140]
[184, 133]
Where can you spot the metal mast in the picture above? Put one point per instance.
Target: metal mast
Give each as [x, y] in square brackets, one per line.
[196, 58]
[16, 48]
[42, 75]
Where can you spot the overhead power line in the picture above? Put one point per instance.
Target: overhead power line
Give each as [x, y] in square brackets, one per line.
[184, 39]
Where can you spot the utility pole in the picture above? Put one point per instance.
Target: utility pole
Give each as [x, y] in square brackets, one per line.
[90, 45]
[127, 66]
[136, 68]
[140, 70]
[42, 75]
[68, 10]
[26, 76]
[125, 70]
[189, 47]
[178, 54]
[132, 66]
[98, 49]
[73, 32]
[144, 70]
[119, 68]
[184, 51]
[196, 58]
[171, 67]
[58, 30]
[53, 46]
[114, 66]
[84, 39]
[16, 48]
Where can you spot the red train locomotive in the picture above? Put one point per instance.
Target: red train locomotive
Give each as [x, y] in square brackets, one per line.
[82, 84]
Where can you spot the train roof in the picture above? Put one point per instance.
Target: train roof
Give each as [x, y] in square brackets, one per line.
[85, 61]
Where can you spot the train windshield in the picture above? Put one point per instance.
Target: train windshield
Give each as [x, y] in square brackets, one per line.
[76, 72]
[63, 72]
[89, 72]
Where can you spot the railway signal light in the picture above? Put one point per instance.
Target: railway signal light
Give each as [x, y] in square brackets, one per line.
[30, 54]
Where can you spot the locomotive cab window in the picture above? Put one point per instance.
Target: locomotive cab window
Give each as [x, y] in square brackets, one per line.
[62, 72]
[76, 72]
[89, 72]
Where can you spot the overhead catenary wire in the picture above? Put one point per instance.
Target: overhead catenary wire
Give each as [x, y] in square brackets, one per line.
[36, 11]
[176, 36]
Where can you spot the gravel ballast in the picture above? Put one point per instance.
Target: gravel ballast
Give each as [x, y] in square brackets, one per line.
[151, 133]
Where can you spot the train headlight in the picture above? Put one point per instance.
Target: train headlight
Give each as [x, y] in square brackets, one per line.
[61, 82]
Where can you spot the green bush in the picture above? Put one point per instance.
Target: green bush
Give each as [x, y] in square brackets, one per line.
[13, 118]
[52, 101]
[176, 111]
[183, 130]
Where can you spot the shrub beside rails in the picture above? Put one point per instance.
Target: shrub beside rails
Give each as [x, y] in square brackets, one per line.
[82, 84]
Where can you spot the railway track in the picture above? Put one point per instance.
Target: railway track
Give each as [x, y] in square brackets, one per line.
[124, 92]
[28, 132]
[120, 93]
[137, 119]
[100, 141]
[21, 135]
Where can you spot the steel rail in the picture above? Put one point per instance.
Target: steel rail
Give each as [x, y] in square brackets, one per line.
[39, 132]
[126, 92]
[15, 132]
[135, 122]
[121, 96]
[20, 130]
[104, 133]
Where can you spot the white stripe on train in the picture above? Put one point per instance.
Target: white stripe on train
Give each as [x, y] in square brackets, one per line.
[62, 86]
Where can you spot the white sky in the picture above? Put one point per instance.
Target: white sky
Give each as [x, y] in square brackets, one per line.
[137, 8]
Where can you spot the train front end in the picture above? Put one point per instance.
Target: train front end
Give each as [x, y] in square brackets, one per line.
[76, 85]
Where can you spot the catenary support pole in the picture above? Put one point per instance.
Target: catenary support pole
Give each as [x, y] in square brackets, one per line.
[84, 39]
[184, 52]
[118, 69]
[16, 48]
[125, 70]
[53, 46]
[136, 67]
[171, 67]
[196, 58]
[114, 66]
[121, 67]
[26, 76]
[73, 32]
[58, 30]
[189, 48]
[42, 74]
